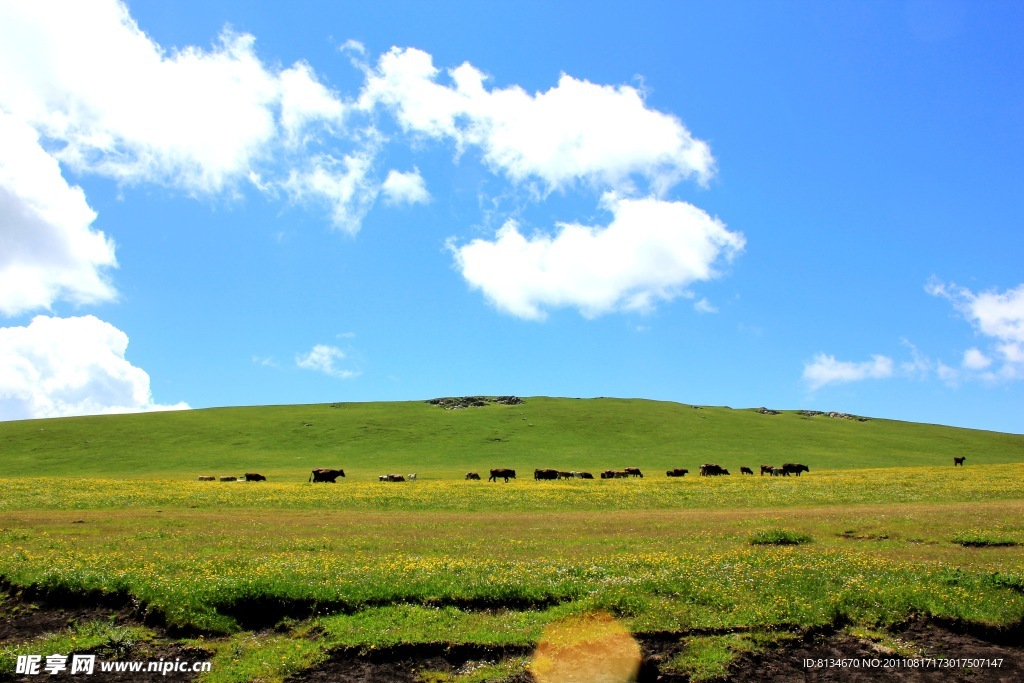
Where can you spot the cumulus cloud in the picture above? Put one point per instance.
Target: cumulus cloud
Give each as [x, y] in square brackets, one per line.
[325, 359]
[825, 369]
[49, 249]
[405, 188]
[57, 367]
[997, 316]
[576, 131]
[116, 103]
[650, 252]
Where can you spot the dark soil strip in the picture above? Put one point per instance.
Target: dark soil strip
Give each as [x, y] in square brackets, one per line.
[254, 614]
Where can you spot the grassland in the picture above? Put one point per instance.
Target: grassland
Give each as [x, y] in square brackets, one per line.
[729, 564]
[370, 438]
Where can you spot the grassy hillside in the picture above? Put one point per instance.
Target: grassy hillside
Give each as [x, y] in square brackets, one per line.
[368, 439]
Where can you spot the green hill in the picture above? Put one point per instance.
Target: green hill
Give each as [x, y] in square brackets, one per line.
[368, 439]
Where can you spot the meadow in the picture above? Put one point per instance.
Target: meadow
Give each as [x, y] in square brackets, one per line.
[274, 578]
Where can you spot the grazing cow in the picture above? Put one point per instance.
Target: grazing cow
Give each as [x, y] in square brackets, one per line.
[396, 477]
[634, 472]
[766, 468]
[746, 470]
[545, 474]
[207, 478]
[608, 474]
[585, 475]
[795, 468]
[621, 474]
[253, 476]
[959, 461]
[565, 475]
[503, 473]
[229, 478]
[472, 475]
[676, 472]
[326, 475]
[411, 477]
[712, 470]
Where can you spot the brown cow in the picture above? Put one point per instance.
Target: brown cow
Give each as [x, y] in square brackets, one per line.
[229, 478]
[206, 478]
[472, 475]
[545, 474]
[676, 472]
[766, 468]
[502, 472]
[326, 475]
[634, 472]
[253, 476]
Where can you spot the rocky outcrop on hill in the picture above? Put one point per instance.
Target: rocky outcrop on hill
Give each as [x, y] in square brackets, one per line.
[765, 411]
[460, 402]
[834, 415]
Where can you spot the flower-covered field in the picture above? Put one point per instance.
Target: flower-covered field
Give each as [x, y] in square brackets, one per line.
[372, 564]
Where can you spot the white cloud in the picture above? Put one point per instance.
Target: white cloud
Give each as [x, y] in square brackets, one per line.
[304, 100]
[577, 130]
[85, 75]
[999, 316]
[826, 369]
[48, 247]
[974, 359]
[650, 252]
[405, 188]
[57, 367]
[345, 185]
[325, 359]
[704, 306]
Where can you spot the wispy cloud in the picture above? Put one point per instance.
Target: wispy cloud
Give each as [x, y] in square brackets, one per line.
[825, 369]
[997, 317]
[325, 359]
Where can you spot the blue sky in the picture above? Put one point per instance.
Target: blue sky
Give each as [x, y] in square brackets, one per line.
[795, 205]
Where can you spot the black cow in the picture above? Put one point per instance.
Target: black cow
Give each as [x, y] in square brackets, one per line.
[501, 472]
[676, 472]
[608, 474]
[545, 474]
[253, 476]
[958, 461]
[746, 470]
[634, 472]
[794, 468]
[325, 474]
[585, 475]
[472, 475]
[766, 468]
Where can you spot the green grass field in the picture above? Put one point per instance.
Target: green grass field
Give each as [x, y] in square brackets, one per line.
[367, 439]
[882, 529]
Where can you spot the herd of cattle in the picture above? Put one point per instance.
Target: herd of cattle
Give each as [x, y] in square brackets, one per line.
[323, 474]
